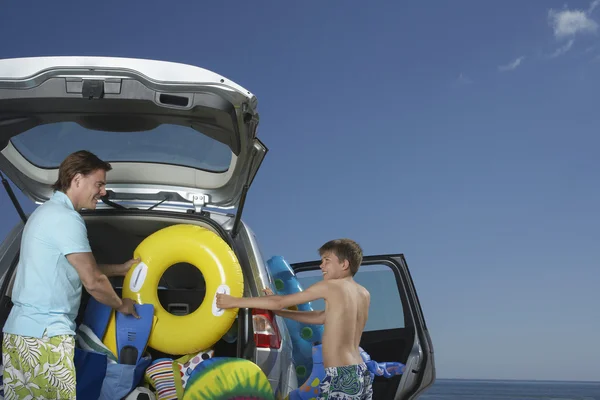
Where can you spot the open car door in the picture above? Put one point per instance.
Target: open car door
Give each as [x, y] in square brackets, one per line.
[396, 329]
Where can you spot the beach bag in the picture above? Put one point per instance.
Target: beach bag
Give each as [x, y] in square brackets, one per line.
[90, 370]
[122, 379]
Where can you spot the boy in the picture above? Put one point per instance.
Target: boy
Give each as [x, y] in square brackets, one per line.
[345, 316]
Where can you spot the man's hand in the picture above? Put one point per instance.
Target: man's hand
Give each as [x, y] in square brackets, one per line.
[128, 308]
[123, 269]
[225, 301]
[268, 292]
[118, 269]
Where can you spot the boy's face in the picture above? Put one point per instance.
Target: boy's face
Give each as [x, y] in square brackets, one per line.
[331, 266]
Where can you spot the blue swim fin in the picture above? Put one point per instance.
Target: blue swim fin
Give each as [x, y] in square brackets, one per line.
[133, 333]
[96, 316]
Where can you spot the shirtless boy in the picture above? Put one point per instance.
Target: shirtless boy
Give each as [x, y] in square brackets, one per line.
[345, 316]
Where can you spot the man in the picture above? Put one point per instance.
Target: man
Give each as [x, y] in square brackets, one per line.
[55, 260]
[346, 313]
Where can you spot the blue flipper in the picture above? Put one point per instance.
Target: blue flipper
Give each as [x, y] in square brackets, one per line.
[96, 317]
[133, 333]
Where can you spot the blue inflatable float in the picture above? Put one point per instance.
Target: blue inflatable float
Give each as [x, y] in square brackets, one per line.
[303, 336]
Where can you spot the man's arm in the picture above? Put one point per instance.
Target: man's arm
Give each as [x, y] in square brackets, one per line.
[94, 281]
[314, 292]
[109, 269]
[117, 269]
[305, 317]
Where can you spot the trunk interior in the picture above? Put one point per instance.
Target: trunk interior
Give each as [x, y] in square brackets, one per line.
[113, 239]
[114, 236]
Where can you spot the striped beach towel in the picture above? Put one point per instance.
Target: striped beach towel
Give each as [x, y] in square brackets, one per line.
[161, 376]
[87, 340]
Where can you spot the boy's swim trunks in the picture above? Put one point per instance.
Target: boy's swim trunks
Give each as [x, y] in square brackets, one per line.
[350, 382]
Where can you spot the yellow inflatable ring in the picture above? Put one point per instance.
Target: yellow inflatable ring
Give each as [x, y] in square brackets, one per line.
[202, 328]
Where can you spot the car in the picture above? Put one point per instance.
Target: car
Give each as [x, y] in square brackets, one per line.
[183, 144]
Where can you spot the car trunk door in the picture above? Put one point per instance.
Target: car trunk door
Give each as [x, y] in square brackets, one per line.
[396, 330]
[173, 133]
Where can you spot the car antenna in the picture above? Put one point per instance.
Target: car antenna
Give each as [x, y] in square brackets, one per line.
[13, 198]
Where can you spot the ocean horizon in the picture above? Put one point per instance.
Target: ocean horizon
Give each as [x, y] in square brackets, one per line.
[509, 389]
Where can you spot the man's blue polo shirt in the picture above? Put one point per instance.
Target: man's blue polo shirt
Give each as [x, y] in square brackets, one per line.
[47, 288]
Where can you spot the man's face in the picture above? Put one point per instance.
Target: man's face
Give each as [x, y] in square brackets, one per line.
[331, 266]
[88, 189]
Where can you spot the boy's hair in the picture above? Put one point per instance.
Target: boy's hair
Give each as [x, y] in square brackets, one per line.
[81, 162]
[345, 249]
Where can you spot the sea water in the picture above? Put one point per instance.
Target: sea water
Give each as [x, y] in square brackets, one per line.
[455, 389]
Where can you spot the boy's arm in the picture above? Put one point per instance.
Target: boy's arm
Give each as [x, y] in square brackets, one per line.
[305, 317]
[314, 292]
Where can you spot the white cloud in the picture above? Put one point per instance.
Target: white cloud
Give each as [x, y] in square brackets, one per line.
[564, 48]
[594, 4]
[463, 79]
[511, 66]
[571, 22]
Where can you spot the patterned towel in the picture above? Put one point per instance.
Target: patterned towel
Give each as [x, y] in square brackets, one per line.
[189, 362]
[161, 376]
[87, 340]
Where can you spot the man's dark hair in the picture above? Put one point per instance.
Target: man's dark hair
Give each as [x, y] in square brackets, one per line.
[81, 162]
[345, 249]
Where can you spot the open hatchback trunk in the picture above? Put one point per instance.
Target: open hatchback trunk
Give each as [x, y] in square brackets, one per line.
[175, 134]
[183, 147]
[179, 138]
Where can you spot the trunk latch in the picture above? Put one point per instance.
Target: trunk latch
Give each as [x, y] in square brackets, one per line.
[92, 89]
[199, 200]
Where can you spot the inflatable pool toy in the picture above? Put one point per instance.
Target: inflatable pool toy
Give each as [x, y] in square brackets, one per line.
[310, 389]
[386, 369]
[202, 328]
[303, 336]
[169, 377]
[187, 364]
[228, 378]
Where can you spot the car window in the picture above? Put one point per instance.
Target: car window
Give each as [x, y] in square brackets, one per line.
[380, 281]
[47, 145]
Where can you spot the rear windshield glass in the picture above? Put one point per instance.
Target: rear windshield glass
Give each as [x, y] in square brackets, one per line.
[47, 145]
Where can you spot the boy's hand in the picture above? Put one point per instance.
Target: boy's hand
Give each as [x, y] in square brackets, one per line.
[268, 292]
[225, 301]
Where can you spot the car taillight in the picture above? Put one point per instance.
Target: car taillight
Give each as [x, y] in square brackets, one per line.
[266, 333]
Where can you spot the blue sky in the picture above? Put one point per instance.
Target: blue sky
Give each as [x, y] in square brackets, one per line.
[463, 134]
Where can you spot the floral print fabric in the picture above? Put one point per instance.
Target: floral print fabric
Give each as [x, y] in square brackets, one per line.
[351, 382]
[38, 368]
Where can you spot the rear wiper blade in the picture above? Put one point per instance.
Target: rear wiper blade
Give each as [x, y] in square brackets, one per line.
[159, 203]
[106, 201]
[118, 206]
